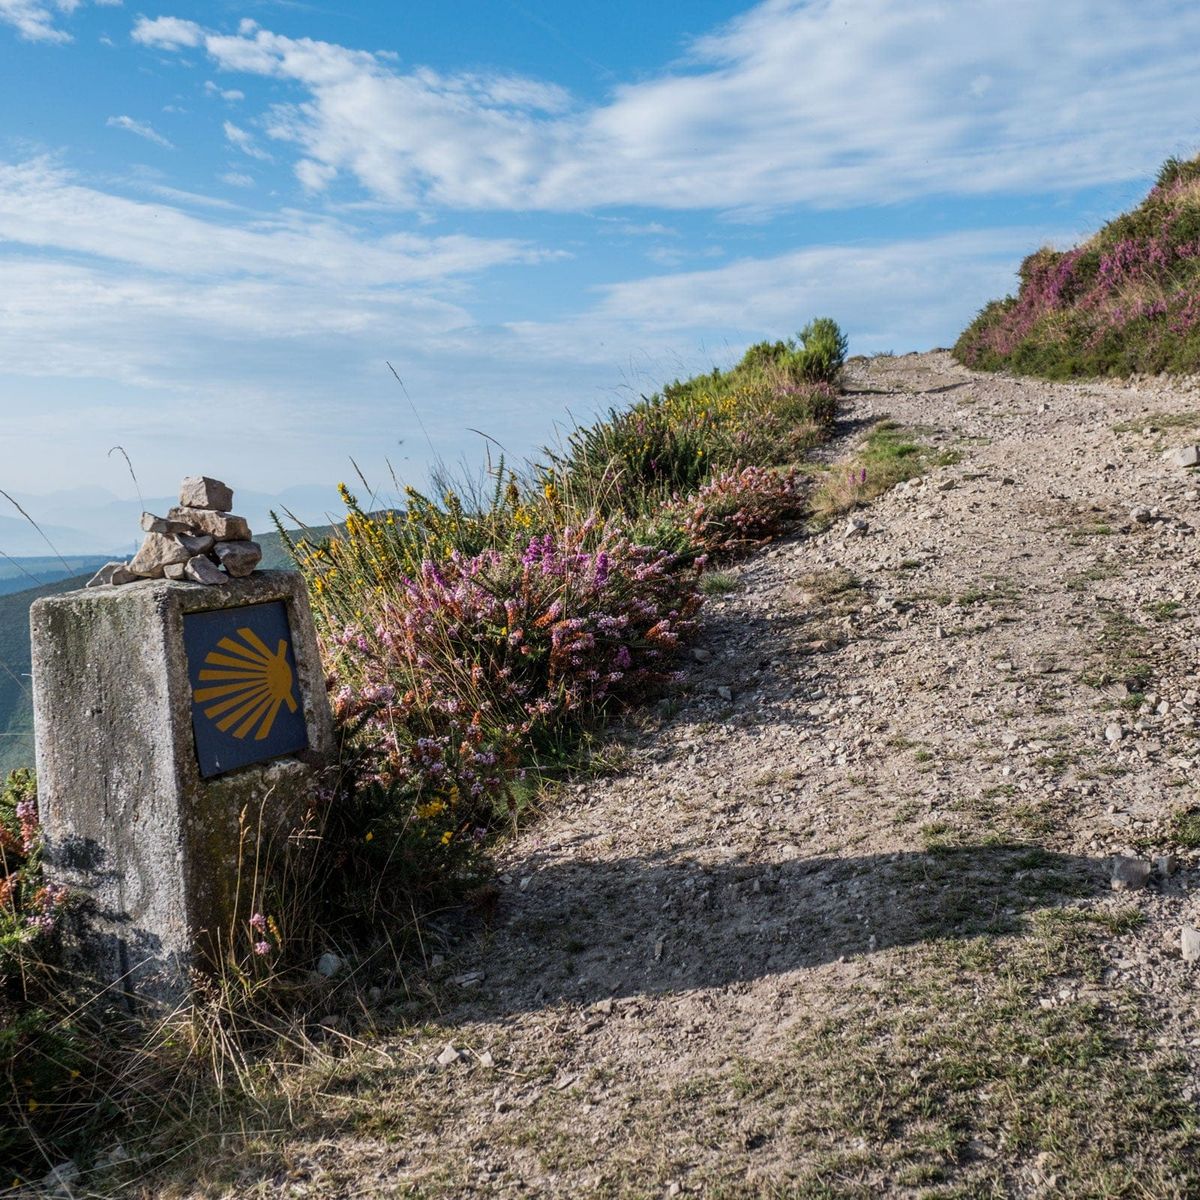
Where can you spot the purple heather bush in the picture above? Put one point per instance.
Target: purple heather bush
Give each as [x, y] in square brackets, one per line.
[476, 664]
[740, 509]
[29, 907]
[472, 641]
[1125, 301]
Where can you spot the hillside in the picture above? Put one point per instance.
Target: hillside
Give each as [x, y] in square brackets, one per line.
[1126, 301]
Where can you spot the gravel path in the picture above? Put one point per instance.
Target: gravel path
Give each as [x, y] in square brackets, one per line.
[842, 923]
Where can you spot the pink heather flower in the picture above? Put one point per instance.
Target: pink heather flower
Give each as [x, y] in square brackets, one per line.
[258, 921]
[28, 818]
[262, 949]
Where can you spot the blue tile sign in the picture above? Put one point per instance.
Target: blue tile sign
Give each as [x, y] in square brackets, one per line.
[246, 703]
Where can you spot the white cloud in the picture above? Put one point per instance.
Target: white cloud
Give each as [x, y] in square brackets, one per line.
[830, 103]
[42, 206]
[636, 229]
[230, 94]
[34, 20]
[177, 331]
[893, 295]
[167, 33]
[238, 179]
[133, 317]
[245, 142]
[141, 129]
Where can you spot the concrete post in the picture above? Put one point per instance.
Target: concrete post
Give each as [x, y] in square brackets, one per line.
[174, 721]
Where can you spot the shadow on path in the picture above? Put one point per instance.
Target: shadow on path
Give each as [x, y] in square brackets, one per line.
[586, 930]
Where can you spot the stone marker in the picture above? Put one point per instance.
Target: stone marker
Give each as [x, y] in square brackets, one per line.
[174, 724]
[198, 491]
[175, 546]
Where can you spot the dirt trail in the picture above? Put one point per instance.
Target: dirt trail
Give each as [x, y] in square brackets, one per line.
[847, 928]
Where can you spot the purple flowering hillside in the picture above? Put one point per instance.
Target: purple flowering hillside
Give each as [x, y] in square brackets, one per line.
[1127, 300]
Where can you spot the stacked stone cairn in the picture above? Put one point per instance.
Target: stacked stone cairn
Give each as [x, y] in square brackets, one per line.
[199, 540]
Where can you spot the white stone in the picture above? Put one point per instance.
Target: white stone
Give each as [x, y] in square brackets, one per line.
[199, 491]
[112, 573]
[225, 527]
[1189, 944]
[239, 558]
[157, 550]
[153, 524]
[1185, 456]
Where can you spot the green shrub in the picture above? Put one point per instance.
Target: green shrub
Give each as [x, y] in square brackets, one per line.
[822, 352]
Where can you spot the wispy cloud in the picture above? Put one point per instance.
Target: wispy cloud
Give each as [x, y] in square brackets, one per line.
[842, 102]
[141, 128]
[41, 205]
[244, 141]
[35, 20]
[230, 94]
[918, 289]
[167, 33]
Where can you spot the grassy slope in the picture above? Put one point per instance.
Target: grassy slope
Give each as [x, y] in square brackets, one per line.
[1125, 301]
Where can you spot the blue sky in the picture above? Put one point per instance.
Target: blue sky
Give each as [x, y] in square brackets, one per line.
[218, 222]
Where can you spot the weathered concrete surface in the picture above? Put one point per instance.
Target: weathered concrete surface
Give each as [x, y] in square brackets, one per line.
[128, 821]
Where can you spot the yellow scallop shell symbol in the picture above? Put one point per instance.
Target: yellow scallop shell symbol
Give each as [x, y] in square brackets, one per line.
[248, 685]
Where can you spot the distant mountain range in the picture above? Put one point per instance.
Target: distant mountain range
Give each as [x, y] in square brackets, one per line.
[16, 707]
[93, 521]
[21, 574]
